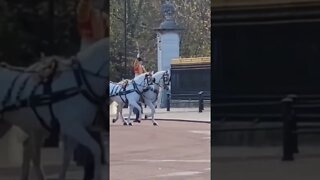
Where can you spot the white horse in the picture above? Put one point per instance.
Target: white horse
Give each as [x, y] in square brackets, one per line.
[131, 93]
[73, 102]
[161, 80]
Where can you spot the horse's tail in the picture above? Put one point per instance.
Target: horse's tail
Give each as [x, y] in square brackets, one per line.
[113, 108]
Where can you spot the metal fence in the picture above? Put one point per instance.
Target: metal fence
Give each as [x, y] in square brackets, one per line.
[290, 110]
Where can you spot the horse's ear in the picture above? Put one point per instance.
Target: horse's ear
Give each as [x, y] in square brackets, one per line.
[152, 72]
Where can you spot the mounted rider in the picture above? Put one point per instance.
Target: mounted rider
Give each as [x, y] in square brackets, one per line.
[92, 22]
[138, 69]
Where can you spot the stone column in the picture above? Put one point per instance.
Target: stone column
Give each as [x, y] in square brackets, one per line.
[168, 41]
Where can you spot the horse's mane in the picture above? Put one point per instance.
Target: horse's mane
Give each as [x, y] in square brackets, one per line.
[63, 63]
[124, 81]
[157, 74]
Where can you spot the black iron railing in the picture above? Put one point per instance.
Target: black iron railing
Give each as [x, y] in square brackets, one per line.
[290, 110]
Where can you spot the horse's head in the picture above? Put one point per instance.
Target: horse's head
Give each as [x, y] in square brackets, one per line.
[144, 80]
[162, 79]
[149, 80]
[166, 78]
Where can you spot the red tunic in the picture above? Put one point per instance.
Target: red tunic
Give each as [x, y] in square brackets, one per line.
[85, 28]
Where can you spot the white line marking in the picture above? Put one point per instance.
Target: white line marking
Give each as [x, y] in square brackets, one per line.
[186, 173]
[207, 169]
[201, 132]
[171, 160]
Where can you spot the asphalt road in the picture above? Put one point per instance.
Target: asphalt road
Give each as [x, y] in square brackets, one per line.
[171, 151]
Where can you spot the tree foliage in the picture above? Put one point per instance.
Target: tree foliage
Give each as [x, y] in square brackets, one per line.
[29, 28]
[142, 17]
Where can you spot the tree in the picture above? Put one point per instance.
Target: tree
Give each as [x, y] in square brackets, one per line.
[142, 17]
[29, 28]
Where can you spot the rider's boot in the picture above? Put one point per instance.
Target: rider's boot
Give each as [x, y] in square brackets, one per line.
[137, 117]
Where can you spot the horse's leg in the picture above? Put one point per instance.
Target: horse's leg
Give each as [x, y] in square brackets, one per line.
[121, 110]
[145, 106]
[80, 134]
[129, 115]
[36, 143]
[151, 106]
[121, 114]
[68, 147]
[133, 104]
[26, 159]
[117, 113]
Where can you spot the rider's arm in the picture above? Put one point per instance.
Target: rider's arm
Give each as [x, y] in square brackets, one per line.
[143, 69]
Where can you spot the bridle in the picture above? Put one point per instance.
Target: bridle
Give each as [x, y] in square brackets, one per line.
[166, 80]
[143, 84]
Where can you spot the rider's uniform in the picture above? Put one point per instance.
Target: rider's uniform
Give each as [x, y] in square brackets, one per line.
[91, 24]
[138, 68]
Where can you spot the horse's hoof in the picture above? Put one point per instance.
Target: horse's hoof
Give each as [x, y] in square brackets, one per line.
[155, 124]
[114, 120]
[125, 124]
[130, 124]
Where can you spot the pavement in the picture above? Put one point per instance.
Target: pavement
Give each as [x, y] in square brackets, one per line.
[264, 163]
[174, 150]
[51, 160]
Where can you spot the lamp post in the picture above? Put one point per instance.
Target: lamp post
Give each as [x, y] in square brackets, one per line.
[125, 38]
[51, 17]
